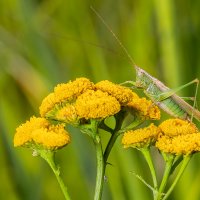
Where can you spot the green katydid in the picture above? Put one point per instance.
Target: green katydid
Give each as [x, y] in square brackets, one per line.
[164, 97]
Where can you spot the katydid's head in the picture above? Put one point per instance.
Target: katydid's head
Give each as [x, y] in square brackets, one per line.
[143, 79]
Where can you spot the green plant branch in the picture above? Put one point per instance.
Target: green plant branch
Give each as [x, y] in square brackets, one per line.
[49, 156]
[100, 170]
[115, 133]
[183, 166]
[146, 152]
[169, 162]
[143, 181]
[93, 132]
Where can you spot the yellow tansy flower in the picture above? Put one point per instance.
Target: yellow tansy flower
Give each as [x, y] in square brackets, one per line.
[144, 108]
[140, 137]
[38, 131]
[24, 132]
[173, 127]
[53, 137]
[71, 90]
[65, 92]
[122, 94]
[96, 104]
[181, 144]
[48, 103]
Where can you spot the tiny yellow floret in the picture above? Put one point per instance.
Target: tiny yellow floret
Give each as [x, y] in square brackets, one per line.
[144, 108]
[96, 104]
[178, 145]
[38, 131]
[141, 137]
[173, 127]
[122, 94]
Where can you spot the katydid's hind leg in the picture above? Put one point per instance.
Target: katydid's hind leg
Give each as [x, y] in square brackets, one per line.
[191, 99]
[170, 92]
[195, 97]
[188, 98]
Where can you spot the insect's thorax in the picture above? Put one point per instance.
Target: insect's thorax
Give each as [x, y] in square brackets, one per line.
[146, 82]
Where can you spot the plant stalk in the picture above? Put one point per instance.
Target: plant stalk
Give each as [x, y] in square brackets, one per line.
[146, 152]
[49, 156]
[169, 162]
[100, 171]
[183, 166]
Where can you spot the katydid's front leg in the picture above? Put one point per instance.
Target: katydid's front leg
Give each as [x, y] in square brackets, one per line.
[132, 83]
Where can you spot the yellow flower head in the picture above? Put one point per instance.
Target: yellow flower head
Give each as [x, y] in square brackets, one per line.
[141, 137]
[38, 131]
[144, 108]
[53, 137]
[181, 144]
[65, 92]
[24, 132]
[71, 90]
[122, 94]
[67, 114]
[48, 103]
[173, 127]
[96, 104]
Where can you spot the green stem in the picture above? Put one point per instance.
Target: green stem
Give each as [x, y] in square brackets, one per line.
[109, 146]
[115, 133]
[100, 170]
[49, 157]
[169, 162]
[99, 157]
[183, 166]
[146, 152]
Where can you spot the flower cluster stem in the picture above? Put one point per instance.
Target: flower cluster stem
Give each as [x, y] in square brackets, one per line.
[183, 166]
[169, 162]
[100, 171]
[49, 156]
[103, 157]
[110, 145]
[146, 152]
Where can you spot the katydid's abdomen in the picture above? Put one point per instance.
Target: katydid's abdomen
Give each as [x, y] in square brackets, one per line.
[178, 108]
[173, 104]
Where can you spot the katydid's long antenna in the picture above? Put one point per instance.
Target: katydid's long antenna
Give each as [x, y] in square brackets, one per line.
[114, 35]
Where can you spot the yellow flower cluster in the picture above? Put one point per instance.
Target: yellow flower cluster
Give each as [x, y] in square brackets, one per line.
[96, 104]
[69, 103]
[75, 101]
[145, 108]
[178, 137]
[39, 131]
[122, 94]
[65, 92]
[141, 137]
[175, 136]
[174, 127]
[181, 144]
[83, 99]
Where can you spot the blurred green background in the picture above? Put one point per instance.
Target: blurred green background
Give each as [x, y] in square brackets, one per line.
[45, 42]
